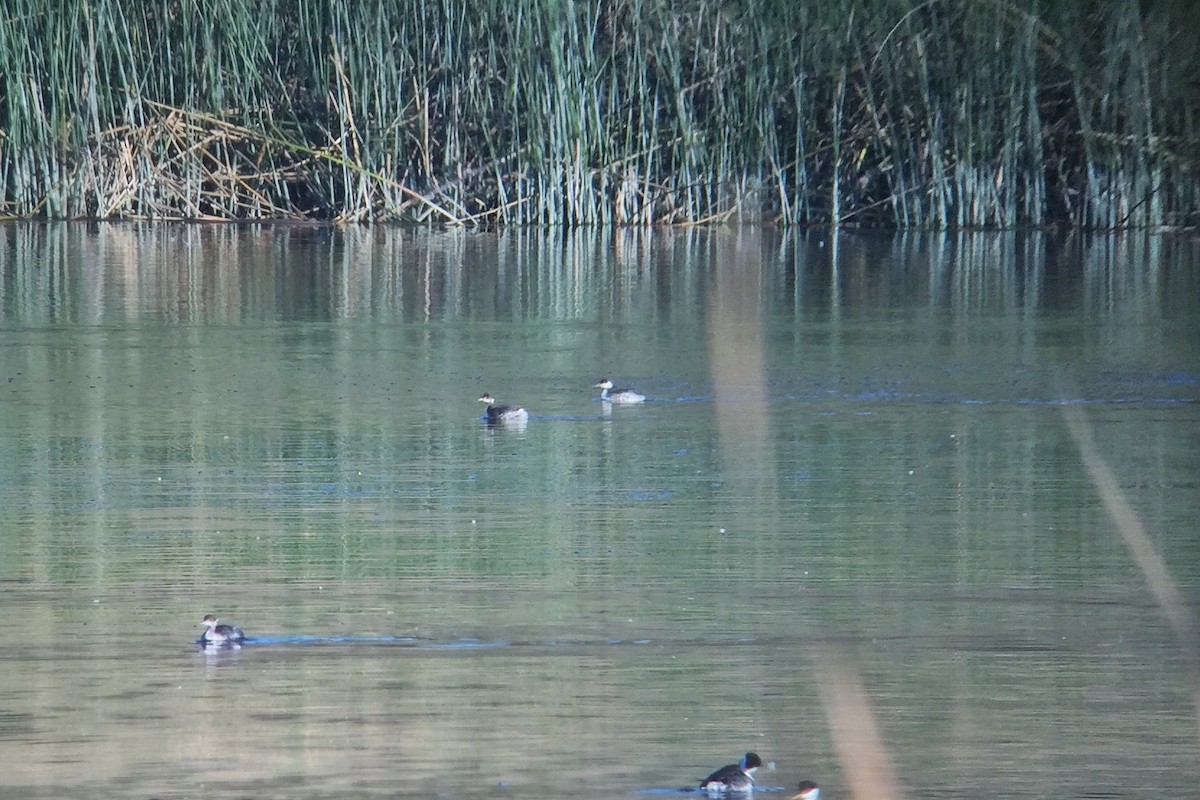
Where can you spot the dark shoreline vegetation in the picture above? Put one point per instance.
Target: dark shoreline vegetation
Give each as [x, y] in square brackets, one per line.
[937, 114]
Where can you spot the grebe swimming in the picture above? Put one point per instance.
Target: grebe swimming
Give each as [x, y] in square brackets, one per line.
[737, 777]
[219, 634]
[808, 790]
[619, 396]
[503, 415]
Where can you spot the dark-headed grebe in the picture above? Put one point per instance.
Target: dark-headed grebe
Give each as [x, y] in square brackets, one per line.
[808, 790]
[619, 396]
[737, 777]
[219, 634]
[503, 415]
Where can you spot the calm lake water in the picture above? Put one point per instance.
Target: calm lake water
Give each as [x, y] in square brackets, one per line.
[854, 461]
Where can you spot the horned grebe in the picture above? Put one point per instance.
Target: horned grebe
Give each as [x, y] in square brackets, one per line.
[808, 790]
[619, 396]
[503, 415]
[737, 777]
[219, 634]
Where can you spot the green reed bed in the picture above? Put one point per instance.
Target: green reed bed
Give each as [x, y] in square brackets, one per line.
[561, 112]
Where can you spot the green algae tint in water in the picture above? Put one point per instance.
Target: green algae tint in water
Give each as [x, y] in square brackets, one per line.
[853, 448]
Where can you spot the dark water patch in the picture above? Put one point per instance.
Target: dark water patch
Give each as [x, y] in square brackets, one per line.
[275, 716]
[16, 724]
[214, 765]
[985, 643]
[132, 694]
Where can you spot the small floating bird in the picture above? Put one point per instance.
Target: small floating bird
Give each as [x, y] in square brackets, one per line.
[737, 777]
[619, 396]
[219, 634]
[503, 415]
[808, 790]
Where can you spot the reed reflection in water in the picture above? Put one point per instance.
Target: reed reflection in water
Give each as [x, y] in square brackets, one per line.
[851, 447]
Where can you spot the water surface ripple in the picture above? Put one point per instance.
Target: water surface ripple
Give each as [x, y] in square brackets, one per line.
[853, 451]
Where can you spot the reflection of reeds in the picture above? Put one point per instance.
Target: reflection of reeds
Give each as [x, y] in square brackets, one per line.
[632, 111]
